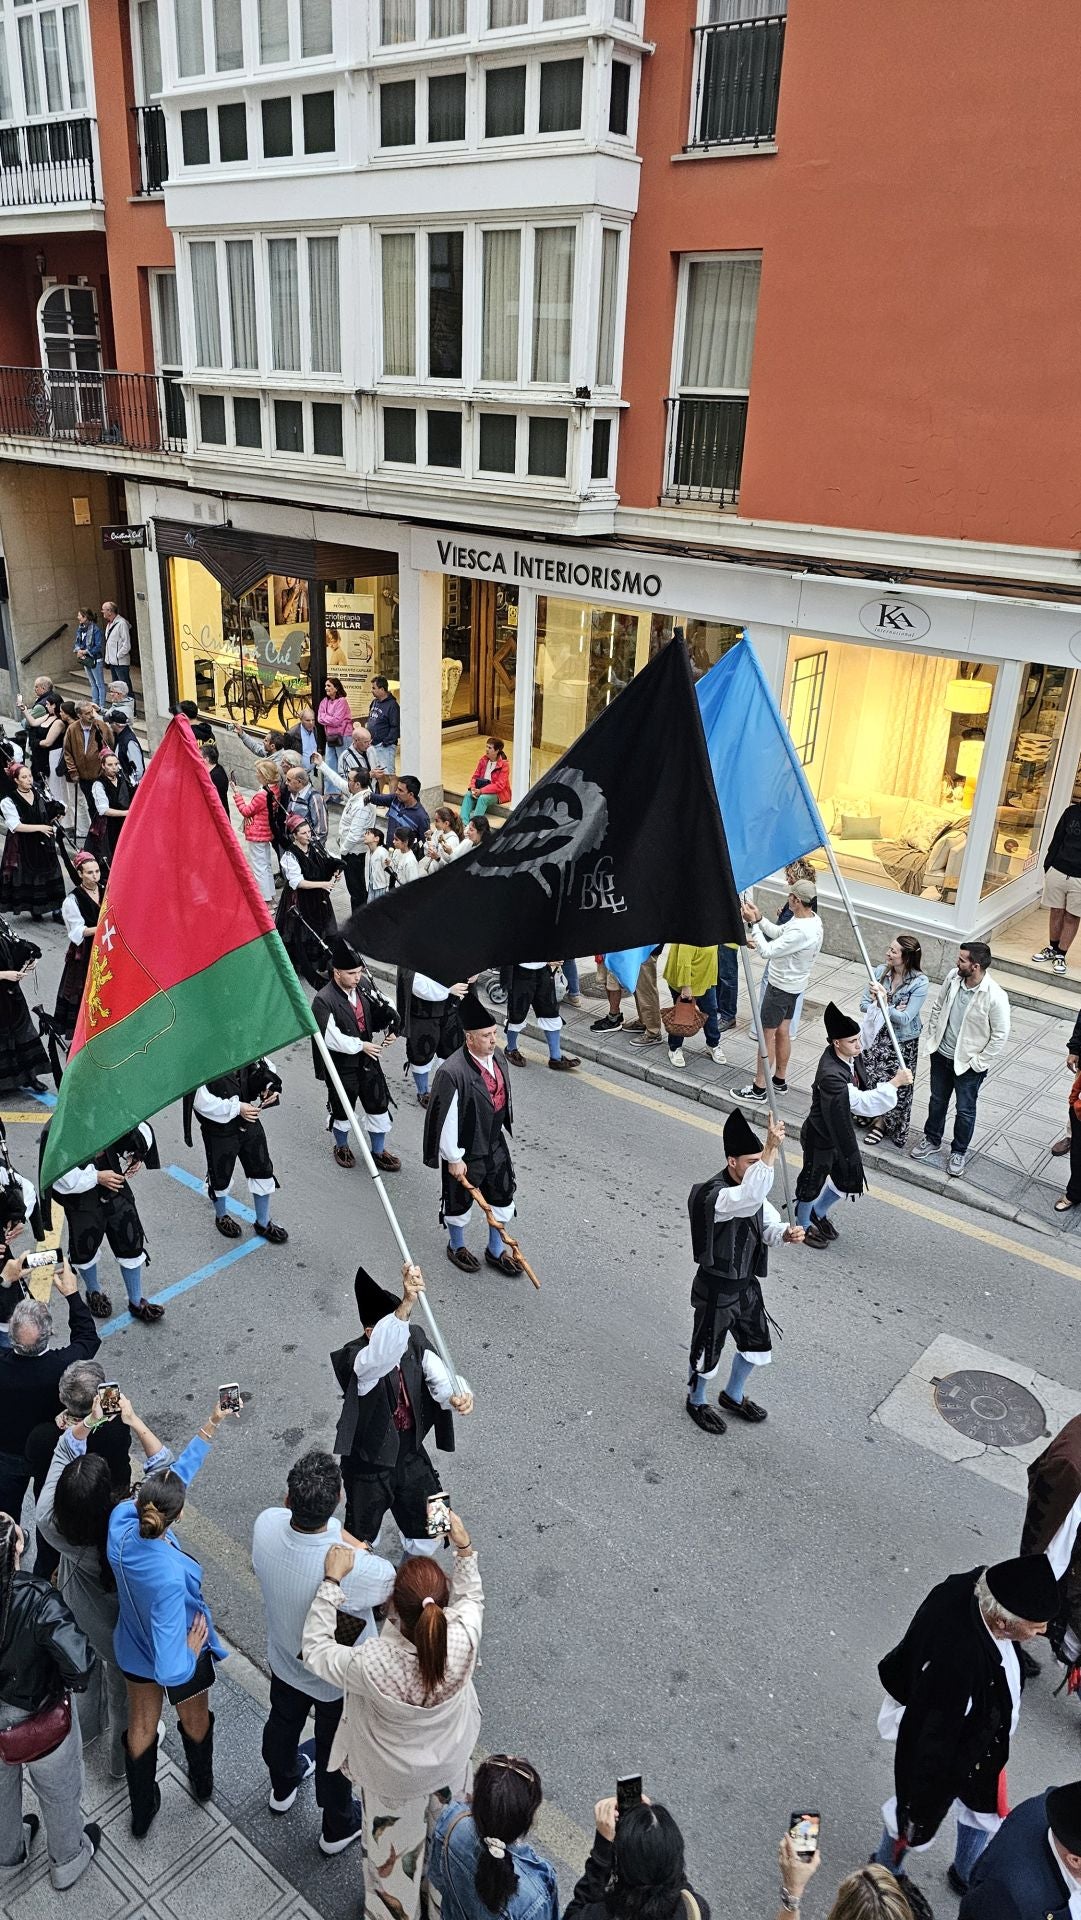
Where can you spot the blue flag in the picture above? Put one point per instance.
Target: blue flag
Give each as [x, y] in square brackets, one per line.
[769, 812]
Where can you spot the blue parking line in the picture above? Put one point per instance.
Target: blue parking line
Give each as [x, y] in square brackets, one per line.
[193, 1181]
[44, 1099]
[238, 1252]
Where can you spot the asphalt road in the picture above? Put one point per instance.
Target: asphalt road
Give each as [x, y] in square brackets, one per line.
[707, 1611]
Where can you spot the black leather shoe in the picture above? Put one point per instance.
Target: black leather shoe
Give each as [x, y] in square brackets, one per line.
[743, 1409]
[958, 1885]
[273, 1232]
[227, 1226]
[705, 1418]
[461, 1258]
[825, 1226]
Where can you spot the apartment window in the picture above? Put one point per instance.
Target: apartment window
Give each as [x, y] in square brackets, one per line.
[445, 252]
[247, 421]
[327, 429]
[738, 52]
[619, 98]
[446, 107]
[52, 61]
[548, 449]
[445, 19]
[504, 102]
[233, 131]
[195, 137]
[190, 57]
[398, 252]
[708, 417]
[400, 435]
[243, 309]
[805, 704]
[277, 129]
[398, 113]
[316, 28]
[324, 305]
[508, 13]
[609, 302]
[600, 460]
[553, 299]
[560, 96]
[273, 31]
[212, 419]
[563, 9]
[497, 442]
[624, 10]
[502, 253]
[284, 306]
[318, 122]
[204, 292]
[148, 35]
[289, 426]
[397, 22]
[165, 314]
[444, 438]
[228, 36]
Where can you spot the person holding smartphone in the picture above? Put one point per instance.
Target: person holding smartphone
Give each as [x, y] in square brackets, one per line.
[637, 1864]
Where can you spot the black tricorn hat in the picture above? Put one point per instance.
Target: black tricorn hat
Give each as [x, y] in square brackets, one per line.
[373, 1301]
[739, 1136]
[838, 1025]
[474, 1014]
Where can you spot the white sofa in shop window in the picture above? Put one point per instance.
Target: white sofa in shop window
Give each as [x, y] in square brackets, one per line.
[882, 835]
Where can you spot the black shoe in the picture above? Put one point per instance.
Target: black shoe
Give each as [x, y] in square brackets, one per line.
[1029, 1667]
[814, 1237]
[779, 1086]
[612, 1023]
[92, 1832]
[504, 1262]
[743, 1409]
[825, 1226]
[227, 1226]
[516, 1058]
[199, 1755]
[34, 1086]
[725, 1026]
[461, 1258]
[143, 1790]
[958, 1885]
[100, 1304]
[705, 1418]
[567, 1063]
[273, 1232]
[146, 1310]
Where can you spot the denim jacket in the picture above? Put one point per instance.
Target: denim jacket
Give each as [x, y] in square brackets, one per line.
[453, 1863]
[905, 1003]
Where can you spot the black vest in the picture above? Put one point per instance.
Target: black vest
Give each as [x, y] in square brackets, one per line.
[366, 1429]
[730, 1252]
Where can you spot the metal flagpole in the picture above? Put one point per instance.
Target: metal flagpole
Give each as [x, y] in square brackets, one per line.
[846, 900]
[771, 1097]
[361, 1139]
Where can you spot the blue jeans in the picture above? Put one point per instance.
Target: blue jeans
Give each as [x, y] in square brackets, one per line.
[331, 756]
[965, 1089]
[727, 983]
[95, 673]
[570, 968]
[708, 1003]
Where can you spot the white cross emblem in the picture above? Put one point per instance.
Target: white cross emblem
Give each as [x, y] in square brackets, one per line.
[108, 935]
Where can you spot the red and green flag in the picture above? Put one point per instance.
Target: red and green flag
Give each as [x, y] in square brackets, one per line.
[188, 978]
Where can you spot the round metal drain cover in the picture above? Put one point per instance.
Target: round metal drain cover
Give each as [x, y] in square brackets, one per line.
[991, 1408]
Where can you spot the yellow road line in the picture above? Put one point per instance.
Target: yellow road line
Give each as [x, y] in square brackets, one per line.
[39, 1116]
[1051, 1262]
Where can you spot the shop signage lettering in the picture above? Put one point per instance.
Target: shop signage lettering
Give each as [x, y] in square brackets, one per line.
[895, 619]
[127, 537]
[544, 571]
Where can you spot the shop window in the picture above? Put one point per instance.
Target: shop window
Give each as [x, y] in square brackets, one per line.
[398, 113]
[444, 438]
[504, 102]
[893, 757]
[585, 657]
[195, 137]
[220, 656]
[289, 426]
[247, 421]
[548, 448]
[619, 98]
[212, 419]
[318, 122]
[600, 462]
[277, 129]
[497, 443]
[446, 107]
[233, 131]
[560, 96]
[327, 429]
[1021, 819]
[400, 435]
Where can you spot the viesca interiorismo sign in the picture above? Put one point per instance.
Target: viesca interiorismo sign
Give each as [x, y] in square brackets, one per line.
[894, 620]
[510, 563]
[127, 537]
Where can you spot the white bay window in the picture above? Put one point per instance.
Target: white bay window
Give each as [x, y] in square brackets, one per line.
[295, 279]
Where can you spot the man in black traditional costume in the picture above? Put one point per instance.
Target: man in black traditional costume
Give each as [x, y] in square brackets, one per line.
[228, 1110]
[470, 1113]
[99, 1205]
[832, 1163]
[351, 1015]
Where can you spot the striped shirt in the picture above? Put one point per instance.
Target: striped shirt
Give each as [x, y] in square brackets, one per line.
[289, 1568]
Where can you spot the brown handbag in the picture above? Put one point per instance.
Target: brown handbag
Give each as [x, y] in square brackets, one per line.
[38, 1736]
[683, 1019]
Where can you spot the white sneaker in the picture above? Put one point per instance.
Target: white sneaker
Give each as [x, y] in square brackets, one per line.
[924, 1149]
[1045, 953]
[307, 1758]
[718, 1055]
[955, 1165]
[676, 1059]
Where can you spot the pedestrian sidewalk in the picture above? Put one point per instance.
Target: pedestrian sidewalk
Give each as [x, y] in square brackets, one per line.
[1022, 1107]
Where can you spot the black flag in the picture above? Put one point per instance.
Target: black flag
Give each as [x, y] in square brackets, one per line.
[620, 845]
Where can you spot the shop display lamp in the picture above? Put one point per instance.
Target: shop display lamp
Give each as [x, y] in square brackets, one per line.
[969, 756]
[968, 696]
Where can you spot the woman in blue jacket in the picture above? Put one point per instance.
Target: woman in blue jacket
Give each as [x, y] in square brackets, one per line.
[90, 652]
[480, 1863]
[164, 1640]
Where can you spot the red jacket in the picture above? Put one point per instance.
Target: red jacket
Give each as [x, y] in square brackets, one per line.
[499, 784]
[256, 814]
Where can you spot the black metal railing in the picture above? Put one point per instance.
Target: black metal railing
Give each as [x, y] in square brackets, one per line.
[143, 411]
[48, 165]
[737, 82]
[153, 156]
[704, 455]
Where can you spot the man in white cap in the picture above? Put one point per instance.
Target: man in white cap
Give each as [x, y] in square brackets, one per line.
[790, 952]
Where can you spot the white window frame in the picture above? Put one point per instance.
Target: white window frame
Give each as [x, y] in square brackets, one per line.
[144, 97]
[265, 375]
[9, 28]
[268, 450]
[591, 130]
[256, 161]
[677, 391]
[295, 56]
[168, 367]
[536, 23]
[422, 36]
[751, 9]
[210, 67]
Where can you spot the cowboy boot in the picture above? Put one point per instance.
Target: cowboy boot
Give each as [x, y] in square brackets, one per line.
[143, 1790]
[199, 1755]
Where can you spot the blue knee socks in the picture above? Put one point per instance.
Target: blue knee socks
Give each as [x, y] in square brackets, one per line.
[495, 1241]
[457, 1236]
[261, 1203]
[421, 1076]
[133, 1281]
[804, 1209]
[341, 1134]
[742, 1370]
[219, 1200]
[89, 1276]
[554, 1040]
[698, 1391]
[377, 1141]
[514, 1034]
[827, 1198]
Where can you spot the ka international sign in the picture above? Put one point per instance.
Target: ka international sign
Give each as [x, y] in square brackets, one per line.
[894, 620]
[619, 576]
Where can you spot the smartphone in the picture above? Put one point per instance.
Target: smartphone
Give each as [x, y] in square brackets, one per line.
[229, 1398]
[32, 1261]
[803, 1828]
[438, 1515]
[628, 1792]
[109, 1398]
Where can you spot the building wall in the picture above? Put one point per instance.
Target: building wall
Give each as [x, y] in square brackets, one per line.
[69, 257]
[916, 341]
[137, 237]
[52, 564]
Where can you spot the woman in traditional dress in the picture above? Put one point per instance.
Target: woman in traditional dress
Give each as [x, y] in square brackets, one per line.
[22, 1056]
[305, 917]
[900, 989]
[80, 910]
[112, 796]
[31, 878]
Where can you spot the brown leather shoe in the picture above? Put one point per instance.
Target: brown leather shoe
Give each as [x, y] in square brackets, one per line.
[387, 1162]
[1060, 1147]
[423, 1099]
[814, 1237]
[462, 1258]
[567, 1064]
[504, 1262]
[516, 1059]
[344, 1157]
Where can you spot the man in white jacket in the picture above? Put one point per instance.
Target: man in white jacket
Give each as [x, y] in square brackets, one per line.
[968, 1029]
[790, 952]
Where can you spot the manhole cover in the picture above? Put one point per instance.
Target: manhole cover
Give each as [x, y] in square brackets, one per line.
[991, 1408]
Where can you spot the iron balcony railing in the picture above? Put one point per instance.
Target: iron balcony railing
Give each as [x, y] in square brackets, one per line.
[704, 455]
[737, 82]
[153, 156]
[143, 411]
[48, 165]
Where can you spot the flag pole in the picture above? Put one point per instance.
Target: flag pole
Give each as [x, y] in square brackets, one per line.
[361, 1139]
[846, 902]
[771, 1097]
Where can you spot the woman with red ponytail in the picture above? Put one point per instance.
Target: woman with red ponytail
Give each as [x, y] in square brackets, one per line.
[411, 1715]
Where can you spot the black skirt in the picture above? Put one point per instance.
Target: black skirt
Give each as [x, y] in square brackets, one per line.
[22, 1056]
[306, 932]
[69, 997]
[31, 880]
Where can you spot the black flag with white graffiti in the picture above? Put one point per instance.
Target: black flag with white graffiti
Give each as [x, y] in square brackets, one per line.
[620, 845]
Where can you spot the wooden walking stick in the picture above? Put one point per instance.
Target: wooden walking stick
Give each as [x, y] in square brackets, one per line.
[508, 1239]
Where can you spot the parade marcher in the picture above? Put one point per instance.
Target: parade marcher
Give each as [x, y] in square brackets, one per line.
[470, 1114]
[31, 877]
[953, 1695]
[350, 1014]
[1052, 1524]
[112, 795]
[533, 985]
[431, 1024]
[732, 1226]
[228, 1110]
[832, 1165]
[1034, 1861]
[305, 917]
[81, 909]
[22, 1056]
[128, 750]
[99, 1205]
[397, 1391]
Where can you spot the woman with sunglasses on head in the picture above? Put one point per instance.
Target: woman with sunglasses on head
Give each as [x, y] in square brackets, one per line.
[480, 1862]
